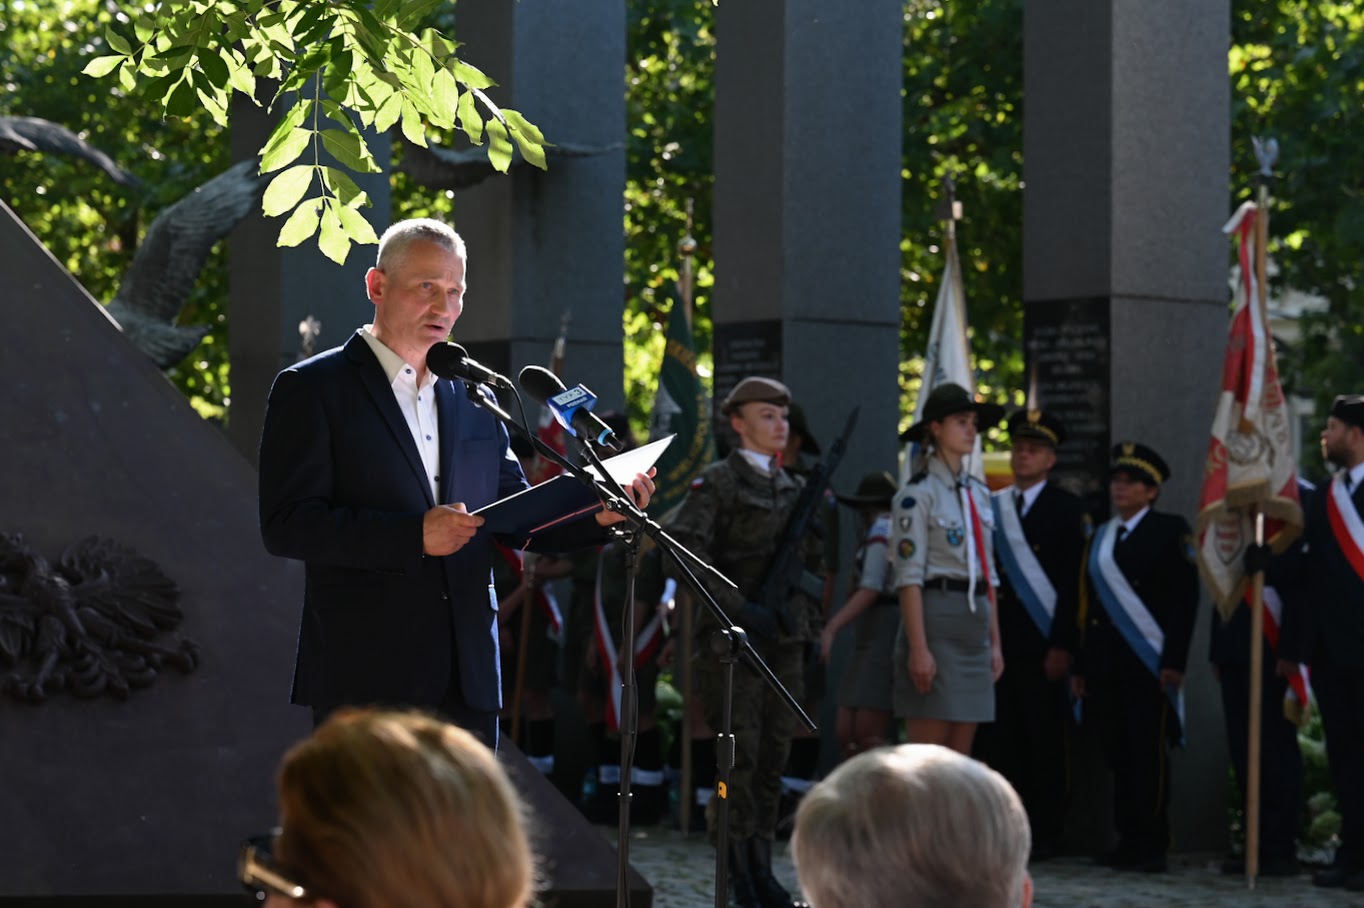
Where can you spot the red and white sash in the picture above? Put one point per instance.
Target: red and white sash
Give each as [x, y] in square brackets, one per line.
[1299, 696]
[1346, 526]
[544, 600]
[647, 642]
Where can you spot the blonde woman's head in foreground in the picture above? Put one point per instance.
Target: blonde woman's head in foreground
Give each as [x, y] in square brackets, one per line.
[401, 810]
[913, 825]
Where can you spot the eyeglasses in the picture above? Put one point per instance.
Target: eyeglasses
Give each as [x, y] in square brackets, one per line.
[258, 872]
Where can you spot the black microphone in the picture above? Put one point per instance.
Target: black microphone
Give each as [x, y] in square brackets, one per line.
[452, 361]
[572, 407]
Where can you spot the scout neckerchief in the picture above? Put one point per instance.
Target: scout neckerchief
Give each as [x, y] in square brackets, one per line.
[646, 642]
[1298, 699]
[1128, 613]
[1031, 584]
[975, 546]
[1346, 526]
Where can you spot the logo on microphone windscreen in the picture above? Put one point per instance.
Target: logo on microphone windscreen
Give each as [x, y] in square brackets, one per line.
[574, 398]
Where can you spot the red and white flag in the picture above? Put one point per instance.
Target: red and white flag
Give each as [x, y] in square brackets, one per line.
[1250, 463]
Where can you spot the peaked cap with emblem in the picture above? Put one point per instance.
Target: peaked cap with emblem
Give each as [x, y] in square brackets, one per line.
[876, 488]
[947, 399]
[1140, 461]
[756, 388]
[1349, 408]
[1037, 425]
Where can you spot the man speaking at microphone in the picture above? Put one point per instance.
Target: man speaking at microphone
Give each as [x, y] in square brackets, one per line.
[369, 468]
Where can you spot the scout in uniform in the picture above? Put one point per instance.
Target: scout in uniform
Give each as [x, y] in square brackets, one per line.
[947, 654]
[733, 517]
[1141, 589]
[1040, 532]
[864, 693]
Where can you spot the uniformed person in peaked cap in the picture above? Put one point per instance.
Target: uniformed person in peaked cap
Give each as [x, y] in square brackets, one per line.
[1040, 532]
[1324, 626]
[1141, 598]
[734, 516]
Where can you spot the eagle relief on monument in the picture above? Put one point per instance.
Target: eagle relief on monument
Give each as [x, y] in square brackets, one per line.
[97, 623]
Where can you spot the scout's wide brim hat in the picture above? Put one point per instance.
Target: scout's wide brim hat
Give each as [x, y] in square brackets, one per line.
[875, 489]
[795, 416]
[945, 400]
[1037, 425]
[756, 388]
[1140, 461]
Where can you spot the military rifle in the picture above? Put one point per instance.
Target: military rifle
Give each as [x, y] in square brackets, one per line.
[769, 612]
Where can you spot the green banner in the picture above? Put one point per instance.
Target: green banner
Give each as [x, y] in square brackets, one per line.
[681, 408]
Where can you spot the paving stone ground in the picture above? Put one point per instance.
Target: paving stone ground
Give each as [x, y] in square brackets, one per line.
[682, 871]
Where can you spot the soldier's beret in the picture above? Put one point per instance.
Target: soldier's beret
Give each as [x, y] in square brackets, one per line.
[756, 388]
[1349, 408]
[945, 400]
[1140, 461]
[1037, 425]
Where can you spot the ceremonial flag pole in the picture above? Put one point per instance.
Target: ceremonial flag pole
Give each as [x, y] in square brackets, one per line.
[1250, 489]
[682, 408]
[947, 357]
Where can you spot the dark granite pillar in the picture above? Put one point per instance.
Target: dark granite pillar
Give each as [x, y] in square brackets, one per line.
[1126, 150]
[807, 211]
[545, 243]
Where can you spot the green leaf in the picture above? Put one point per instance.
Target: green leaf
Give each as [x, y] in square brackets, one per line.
[301, 224]
[413, 130]
[344, 188]
[102, 66]
[357, 227]
[240, 76]
[182, 100]
[388, 113]
[470, 75]
[214, 68]
[533, 152]
[444, 99]
[144, 27]
[523, 126]
[285, 151]
[334, 241]
[469, 120]
[336, 113]
[423, 72]
[348, 148]
[117, 42]
[127, 75]
[286, 189]
[499, 146]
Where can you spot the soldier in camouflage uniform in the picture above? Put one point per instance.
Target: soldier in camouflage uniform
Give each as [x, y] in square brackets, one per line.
[734, 517]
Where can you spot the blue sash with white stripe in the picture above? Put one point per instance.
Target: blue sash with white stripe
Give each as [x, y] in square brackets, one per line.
[1128, 613]
[1030, 583]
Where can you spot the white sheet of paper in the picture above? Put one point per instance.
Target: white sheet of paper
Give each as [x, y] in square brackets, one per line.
[623, 467]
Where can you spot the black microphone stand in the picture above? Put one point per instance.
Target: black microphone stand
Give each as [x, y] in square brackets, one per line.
[730, 643]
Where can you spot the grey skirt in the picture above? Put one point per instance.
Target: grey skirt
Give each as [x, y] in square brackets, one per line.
[959, 639]
[866, 682]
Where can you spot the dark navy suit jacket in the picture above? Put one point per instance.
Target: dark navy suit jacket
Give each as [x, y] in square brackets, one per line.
[343, 489]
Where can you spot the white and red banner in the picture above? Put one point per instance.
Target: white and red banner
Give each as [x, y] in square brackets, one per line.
[1250, 463]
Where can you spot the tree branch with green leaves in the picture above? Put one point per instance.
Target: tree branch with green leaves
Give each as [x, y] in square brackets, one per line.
[343, 66]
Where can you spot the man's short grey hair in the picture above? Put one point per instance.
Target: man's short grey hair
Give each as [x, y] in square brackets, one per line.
[912, 825]
[403, 234]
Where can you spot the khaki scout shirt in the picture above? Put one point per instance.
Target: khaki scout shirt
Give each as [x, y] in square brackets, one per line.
[734, 517]
[928, 529]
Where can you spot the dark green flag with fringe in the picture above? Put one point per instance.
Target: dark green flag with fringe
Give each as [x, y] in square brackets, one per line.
[681, 408]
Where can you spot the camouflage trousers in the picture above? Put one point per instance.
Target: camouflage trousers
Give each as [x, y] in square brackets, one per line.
[762, 726]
